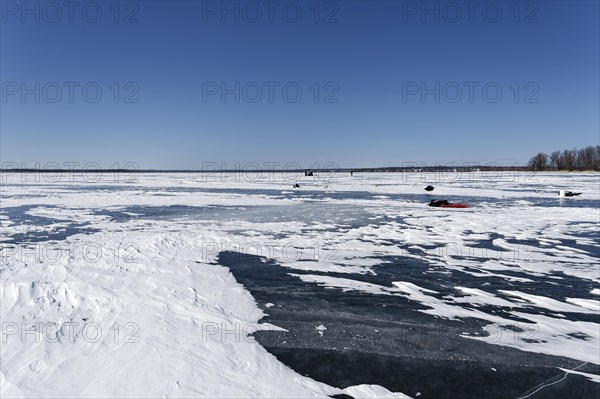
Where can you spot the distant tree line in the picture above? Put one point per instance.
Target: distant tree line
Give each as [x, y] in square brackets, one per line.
[587, 158]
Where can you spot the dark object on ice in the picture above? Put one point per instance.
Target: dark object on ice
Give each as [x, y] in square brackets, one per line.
[351, 173]
[571, 194]
[429, 188]
[296, 185]
[439, 202]
[308, 172]
[445, 204]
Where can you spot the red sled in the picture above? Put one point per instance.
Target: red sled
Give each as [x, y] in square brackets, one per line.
[445, 204]
[454, 206]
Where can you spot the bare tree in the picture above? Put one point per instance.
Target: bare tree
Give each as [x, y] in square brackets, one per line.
[568, 157]
[556, 160]
[539, 162]
[585, 158]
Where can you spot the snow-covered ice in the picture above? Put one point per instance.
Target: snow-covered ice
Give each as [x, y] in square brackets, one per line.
[113, 289]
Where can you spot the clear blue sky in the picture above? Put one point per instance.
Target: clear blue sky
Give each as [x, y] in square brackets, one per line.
[373, 58]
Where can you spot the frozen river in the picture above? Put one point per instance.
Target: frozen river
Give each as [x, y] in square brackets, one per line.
[229, 285]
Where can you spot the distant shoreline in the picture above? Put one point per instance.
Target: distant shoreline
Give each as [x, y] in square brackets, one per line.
[346, 170]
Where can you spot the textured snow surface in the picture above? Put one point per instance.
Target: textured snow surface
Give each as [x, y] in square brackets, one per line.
[111, 288]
